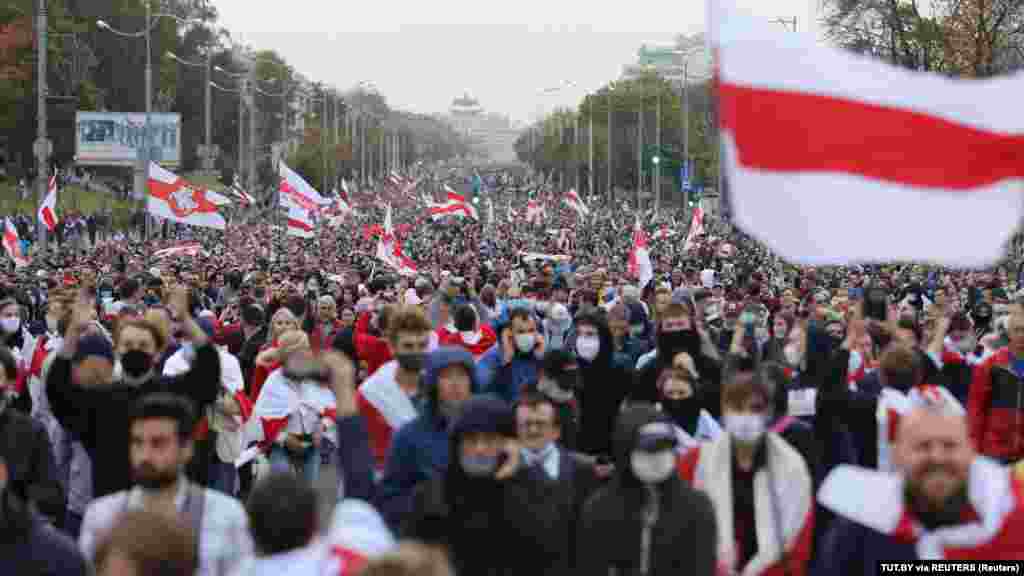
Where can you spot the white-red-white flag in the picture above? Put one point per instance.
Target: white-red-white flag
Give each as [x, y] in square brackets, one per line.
[454, 205]
[48, 209]
[240, 193]
[300, 223]
[696, 229]
[185, 249]
[175, 199]
[389, 249]
[858, 161]
[640, 266]
[573, 200]
[294, 187]
[664, 233]
[12, 244]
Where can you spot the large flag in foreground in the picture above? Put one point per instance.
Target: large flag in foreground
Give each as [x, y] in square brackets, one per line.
[834, 158]
[173, 198]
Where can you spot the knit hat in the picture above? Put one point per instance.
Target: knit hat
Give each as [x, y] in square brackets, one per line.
[94, 345]
[484, 414]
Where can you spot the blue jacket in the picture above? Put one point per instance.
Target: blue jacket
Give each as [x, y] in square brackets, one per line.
[506, 381]
[419, 449]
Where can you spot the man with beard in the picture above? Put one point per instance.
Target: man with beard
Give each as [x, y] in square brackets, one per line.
[160, 431]
[943, 502]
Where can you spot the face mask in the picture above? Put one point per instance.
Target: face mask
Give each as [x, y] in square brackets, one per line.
[10, 325]
[744, 428]
[51, 324]
[482, 466]
[136, 365]
[588, 347]
[412, 362]
[652, 467]
[525, 342]
[792, 355]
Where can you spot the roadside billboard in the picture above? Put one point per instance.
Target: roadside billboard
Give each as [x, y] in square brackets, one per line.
[113, 138]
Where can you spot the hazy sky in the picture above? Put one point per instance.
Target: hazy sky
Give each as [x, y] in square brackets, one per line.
[422, 54]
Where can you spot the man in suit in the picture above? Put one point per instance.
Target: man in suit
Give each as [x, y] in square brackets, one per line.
[573, 475]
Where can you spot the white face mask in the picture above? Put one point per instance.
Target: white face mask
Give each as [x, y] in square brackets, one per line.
[652, 467]
[792, 354]
[967, 344]
[10, 325]
[525, 342]
[588, 347]
[744, 427]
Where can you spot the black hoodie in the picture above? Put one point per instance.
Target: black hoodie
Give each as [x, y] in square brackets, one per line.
[490, 526]
[602, 392]
[684, 536]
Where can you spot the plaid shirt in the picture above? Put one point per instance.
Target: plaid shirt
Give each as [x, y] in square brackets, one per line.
[224, 540]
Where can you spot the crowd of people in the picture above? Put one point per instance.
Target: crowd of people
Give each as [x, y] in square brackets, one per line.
[519, 405]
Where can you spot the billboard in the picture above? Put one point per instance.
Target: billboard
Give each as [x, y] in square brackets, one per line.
[113, 138]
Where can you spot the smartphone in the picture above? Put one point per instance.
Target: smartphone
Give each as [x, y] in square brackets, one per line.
[301, 367]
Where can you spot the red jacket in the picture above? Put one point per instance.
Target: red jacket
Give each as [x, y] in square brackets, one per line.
[487, 339]
[370, 349]
[995, 408]
[318, 340]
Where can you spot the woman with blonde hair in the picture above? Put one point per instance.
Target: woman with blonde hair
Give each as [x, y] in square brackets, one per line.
[268, 359]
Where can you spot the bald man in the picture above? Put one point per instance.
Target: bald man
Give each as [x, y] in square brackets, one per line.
[942, 501]
[995, 401]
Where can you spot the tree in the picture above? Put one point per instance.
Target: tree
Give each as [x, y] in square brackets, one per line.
[894, 30]
[982, 37]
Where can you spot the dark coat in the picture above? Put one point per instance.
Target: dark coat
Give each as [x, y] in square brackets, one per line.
[30, 547]
[25, 446]
[683, 538]
[99, 417]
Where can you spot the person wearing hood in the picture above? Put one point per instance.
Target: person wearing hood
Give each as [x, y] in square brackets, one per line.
[646, 521]
[678, 332]
[760, 485]
[514, 361]
[419, 449]
[602, 388]
[559, 381]
[98, 414]
[558, 327]
[627, 325]
[679, 398]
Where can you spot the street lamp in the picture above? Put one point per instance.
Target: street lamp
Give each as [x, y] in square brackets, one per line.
[142, 164]
[206, 152]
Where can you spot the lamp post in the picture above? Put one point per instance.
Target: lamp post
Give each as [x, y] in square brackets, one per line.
[206, 153]
[144, 154]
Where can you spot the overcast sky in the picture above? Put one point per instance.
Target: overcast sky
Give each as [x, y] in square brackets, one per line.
[422, 54]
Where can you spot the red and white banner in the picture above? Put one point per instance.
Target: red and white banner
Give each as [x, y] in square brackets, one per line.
[240, 193]
[187, 249]
[573, 200]
[696, 229]
[861, 161]
[12, 244]
[300, 224]
[389, 249]
[48, 209]
[173, 198]
[454, 205]
[664, 233]
[297, 189]
[640, 266]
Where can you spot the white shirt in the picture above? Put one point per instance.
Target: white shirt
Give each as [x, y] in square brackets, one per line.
[224, 540]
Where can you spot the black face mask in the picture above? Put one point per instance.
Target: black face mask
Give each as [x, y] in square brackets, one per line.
[569, 380]
[136, 363]
[684, 412]
[412, 362]
[670, 343]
